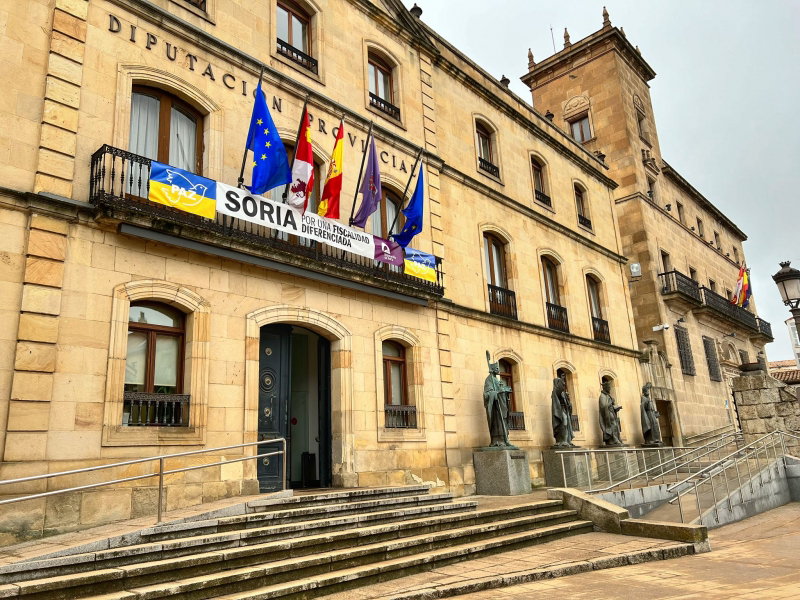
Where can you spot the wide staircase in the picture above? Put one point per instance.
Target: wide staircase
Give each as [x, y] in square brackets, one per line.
[303, 546]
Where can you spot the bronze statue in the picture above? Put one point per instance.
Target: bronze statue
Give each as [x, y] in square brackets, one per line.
[650, 427]
[562, 414]
[609, 417]
[496, 401]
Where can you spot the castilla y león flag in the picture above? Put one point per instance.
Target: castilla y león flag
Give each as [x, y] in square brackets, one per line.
[329, 203]
[302, 169]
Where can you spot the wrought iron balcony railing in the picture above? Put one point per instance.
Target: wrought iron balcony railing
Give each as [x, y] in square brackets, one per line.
[385, 107]
[119, 184]
[400, 416]
[155, 410]
[557, 318]
[502, 302]
[675, 281]
[724, 307]
[298, 56]
[543, 198]
[764, 327]
[585, 221]
[515, 421]
[600, 330]
[485, 165]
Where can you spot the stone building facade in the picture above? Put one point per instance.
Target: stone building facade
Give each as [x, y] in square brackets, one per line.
[689, 252]
[87, 263]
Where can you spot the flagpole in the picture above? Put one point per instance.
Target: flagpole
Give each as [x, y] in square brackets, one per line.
[244, 158]
[408, 185]
[296, 143]
[360, 175]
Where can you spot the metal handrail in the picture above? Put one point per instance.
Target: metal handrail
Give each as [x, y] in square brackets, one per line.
[662, 473]
[160, 474]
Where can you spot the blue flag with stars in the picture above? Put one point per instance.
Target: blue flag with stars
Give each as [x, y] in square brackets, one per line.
[413, 213]
[270, 163]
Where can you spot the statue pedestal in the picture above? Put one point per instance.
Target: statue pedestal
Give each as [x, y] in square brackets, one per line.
[554, 474]
[654, 445]
[501, 472]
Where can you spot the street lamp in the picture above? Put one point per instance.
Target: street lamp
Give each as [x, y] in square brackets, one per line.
[788, 282]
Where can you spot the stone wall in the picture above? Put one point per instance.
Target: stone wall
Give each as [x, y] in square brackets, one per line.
[765, 405]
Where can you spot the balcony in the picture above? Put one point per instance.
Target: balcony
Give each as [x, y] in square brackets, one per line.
[557, 318]
[722, 307]
[679, 291]
[765, 328]
[491, 169]
[119, 184]
[155, 410]
[585, 221]
[600, 330]
[297, 56]
[515, 421]
[543, 199]
[502, 302]
[400, 416]
[385, 107]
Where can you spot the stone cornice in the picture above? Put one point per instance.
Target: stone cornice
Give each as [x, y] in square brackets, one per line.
[484, 189]
[621, 45]
[479, 315]
[687, 187]
[402, 23]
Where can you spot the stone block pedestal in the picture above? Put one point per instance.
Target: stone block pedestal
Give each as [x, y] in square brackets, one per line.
[501, 472]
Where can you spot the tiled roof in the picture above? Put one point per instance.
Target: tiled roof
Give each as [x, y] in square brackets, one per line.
[781, 364]
[791, 377]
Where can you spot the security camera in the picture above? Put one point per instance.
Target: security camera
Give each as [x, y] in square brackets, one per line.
[663, 327]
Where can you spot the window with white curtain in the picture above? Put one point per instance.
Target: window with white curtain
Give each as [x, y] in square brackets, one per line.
[166, 129]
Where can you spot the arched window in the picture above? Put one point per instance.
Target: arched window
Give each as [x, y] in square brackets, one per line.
[394, 374]
[539, 188]
[516, 418]
[566, 375]
[556, 314]
[294, 33]
[486, 152]
[380, 78]
[599, 324]
[388, 212]
[165, 129]
[582, 207]
[502, 301]
[154, 366]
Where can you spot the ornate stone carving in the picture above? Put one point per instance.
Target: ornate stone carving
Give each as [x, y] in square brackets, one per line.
[576, 104]
[637, 102]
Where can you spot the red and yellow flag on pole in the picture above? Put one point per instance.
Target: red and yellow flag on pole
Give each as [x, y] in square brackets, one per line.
[329, 203]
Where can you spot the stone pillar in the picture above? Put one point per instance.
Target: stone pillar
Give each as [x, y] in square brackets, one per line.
[56, 161]
[35, 356]
[765, 404]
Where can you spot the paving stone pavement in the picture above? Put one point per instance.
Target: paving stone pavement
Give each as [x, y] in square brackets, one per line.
[755, 558]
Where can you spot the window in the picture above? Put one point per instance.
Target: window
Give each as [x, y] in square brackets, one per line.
[394, 374]
[666, 263]
[293, 27]
[736, 254]
[165, 129]
[712, 285]
[154, 366]
[729, 295]
[380, 79]
[641, 125]
[550, 281]
[679, 208]
[540, 193]
[712, 360]
[580, 129]
[793, 331]
[651, 189]
[494, 256]
[599, 325]
[506, 375]
[717, 242]
[580, 205]
[692, 274]
[388, 211]
[684, 350]
[486, 158]
[700, 231]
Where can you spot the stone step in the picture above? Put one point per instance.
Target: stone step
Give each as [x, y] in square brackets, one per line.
[209, 574]
[266, 543]
[330, 497]
[277, 517]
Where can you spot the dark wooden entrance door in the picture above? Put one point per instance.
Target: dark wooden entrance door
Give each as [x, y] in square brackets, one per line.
[665, 420]
[324, 412]
[274, 379]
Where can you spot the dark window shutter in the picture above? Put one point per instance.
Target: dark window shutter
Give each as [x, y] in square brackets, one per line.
[711, 359]
[685, 350]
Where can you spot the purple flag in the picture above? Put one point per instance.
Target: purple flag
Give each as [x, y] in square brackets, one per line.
[387, 251]
[370, 188]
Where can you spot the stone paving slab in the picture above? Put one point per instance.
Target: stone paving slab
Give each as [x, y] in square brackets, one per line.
[758, 557]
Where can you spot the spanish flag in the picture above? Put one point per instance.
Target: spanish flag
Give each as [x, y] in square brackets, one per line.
[183, 190]
[329, 204]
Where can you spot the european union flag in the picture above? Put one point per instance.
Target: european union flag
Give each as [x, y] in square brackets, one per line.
[270, 163]
[413, 213]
